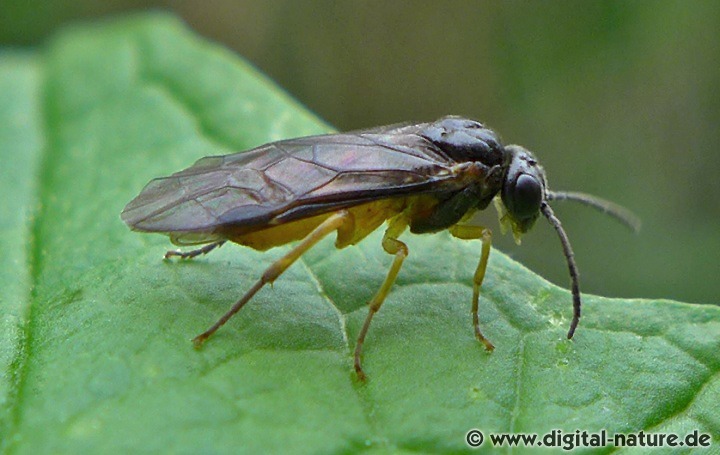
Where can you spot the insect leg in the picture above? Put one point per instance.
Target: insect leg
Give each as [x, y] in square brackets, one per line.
[394, 246]
[485, 235]
[197, 252]
[342, 222]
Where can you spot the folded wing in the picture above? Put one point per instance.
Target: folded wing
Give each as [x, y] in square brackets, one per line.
[286, 180]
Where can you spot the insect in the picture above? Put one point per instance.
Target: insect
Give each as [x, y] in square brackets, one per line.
[427, 177]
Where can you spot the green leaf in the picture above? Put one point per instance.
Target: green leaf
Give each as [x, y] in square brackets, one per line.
[95, 327]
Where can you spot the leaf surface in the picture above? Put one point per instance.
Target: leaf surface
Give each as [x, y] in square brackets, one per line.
[95, 327]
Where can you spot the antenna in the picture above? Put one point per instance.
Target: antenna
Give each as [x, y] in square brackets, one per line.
[570, 258]
[616, 211]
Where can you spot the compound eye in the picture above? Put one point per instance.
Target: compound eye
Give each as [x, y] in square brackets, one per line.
[527, 196]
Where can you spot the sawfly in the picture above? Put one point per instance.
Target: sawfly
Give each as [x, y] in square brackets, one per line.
[425, 177]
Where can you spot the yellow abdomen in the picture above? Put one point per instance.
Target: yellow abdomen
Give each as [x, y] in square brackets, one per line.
[368, 217]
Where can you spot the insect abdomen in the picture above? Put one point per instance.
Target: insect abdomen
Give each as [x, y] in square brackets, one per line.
[368, 217]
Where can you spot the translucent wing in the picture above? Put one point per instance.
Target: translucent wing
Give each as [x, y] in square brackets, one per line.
[290, 179]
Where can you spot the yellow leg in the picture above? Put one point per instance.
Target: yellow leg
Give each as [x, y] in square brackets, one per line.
[394, 246]
[342, 222]
[485, 235]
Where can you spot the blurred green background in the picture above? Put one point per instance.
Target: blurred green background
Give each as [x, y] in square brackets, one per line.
[619, 99]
